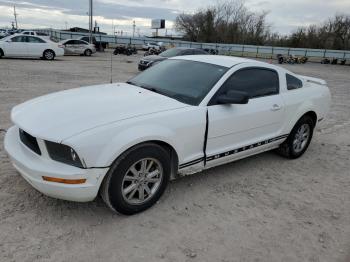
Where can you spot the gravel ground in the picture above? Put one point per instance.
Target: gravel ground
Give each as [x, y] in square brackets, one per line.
[263, 208]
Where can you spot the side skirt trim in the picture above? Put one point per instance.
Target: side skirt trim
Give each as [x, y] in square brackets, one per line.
[234, 151]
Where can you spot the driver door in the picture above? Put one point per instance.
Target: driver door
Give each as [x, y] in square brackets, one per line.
[238, 130]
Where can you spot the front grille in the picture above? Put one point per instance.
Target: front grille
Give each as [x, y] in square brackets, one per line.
[29, 141]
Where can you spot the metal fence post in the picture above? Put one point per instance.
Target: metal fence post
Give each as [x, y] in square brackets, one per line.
[272, 50]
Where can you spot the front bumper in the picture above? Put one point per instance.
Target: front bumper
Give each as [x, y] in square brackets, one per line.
[33, 167]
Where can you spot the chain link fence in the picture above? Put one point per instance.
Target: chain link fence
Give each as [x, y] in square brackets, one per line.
[227, 49]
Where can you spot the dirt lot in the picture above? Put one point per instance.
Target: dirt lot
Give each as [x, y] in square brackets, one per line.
[264, 208]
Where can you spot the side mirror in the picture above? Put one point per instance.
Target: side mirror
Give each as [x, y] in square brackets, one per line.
[233, 97]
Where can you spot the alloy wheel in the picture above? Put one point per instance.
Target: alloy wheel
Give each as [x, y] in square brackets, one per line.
[301, 138]
[142, 181]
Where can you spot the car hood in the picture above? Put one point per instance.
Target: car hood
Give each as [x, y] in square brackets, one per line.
[154, 58]
[60, 115]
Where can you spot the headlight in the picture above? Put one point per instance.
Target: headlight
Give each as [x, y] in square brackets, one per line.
[63, 153]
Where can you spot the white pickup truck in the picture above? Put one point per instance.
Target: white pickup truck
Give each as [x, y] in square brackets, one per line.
[184, 115]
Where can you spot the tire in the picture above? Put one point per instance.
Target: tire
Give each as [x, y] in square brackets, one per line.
[1, 53]
[299, 139]
[49, 55]
[125, 184]
[88, 52]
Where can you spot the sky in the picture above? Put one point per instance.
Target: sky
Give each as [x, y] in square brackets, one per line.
[111, 15]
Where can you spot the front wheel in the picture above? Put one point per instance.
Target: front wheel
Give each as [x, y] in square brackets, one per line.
[299, 139]
[49, 55]
[137, 179]
[88, 52]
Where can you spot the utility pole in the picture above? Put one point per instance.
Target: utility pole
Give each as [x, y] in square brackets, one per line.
[133, 29]
[90, 20]
[15, 14]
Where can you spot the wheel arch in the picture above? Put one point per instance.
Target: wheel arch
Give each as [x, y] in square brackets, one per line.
[167, 146]
[311, 114]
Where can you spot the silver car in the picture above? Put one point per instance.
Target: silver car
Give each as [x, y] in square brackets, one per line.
[78, 47]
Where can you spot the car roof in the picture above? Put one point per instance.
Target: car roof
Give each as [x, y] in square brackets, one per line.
[226, 61]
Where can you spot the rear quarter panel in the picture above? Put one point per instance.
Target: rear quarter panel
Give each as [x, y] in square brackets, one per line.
[311, 97]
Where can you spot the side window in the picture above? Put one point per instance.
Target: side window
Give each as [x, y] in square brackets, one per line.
[79, 42]
[70, 42]
[293, 82]
[198, 52]
[26, 33]
[32, 39]
[187, 52]
[257, 82]
[19, 39]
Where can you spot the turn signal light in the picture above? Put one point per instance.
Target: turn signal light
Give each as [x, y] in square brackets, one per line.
[64, 181]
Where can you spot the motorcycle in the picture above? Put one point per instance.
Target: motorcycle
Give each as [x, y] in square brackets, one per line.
[125, 50]
[152, 51]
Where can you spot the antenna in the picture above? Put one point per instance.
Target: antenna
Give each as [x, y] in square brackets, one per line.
[15, 14]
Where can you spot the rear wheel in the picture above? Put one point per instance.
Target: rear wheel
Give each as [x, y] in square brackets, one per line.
[299, 139]
[88, 52]
[1, 53]
[49, 55]
[137, 179]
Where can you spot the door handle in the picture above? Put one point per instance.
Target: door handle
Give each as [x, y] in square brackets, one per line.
[275, 107]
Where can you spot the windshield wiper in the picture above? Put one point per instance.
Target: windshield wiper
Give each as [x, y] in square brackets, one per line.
[150, 88]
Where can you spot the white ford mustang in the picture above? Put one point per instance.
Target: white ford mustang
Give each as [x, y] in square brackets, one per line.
[184, 115]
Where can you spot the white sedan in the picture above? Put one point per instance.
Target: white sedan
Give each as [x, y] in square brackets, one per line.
[78, 47]
[20, 45]
[184, 115]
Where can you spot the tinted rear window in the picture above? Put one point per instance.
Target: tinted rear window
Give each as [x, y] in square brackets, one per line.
[293, 82]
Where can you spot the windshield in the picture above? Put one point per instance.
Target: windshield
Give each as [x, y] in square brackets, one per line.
[186, 81]
[171, 52]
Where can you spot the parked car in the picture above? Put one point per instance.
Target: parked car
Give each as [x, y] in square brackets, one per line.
[19, 45]
[157, 46]
[78, 47]
[35, 33]
[184, 115]
[3, 33]
[151, 60]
